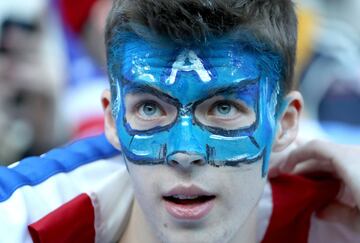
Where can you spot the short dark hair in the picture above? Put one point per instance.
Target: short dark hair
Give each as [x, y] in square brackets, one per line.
[272, 22]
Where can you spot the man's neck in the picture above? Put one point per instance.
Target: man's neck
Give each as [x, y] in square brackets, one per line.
[246, 234]
[137, 221]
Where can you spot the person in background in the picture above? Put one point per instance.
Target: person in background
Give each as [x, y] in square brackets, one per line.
[29, 82]
[83, 26]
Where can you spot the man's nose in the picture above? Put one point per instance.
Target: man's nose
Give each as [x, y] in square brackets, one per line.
[185, 160]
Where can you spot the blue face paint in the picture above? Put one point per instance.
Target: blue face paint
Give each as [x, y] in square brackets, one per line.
[185, 77]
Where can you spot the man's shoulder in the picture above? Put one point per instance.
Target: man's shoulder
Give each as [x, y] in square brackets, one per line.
[89, 171]
[36, 170]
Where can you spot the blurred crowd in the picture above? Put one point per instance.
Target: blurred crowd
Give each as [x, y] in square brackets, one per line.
[52, 72]
[328, 69]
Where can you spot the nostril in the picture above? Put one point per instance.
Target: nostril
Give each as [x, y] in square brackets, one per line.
[173, 162]
[198, 162]
[185, 160]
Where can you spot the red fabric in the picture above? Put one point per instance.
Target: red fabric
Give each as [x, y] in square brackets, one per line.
[72, 222]
[75, 12]
[295, 199]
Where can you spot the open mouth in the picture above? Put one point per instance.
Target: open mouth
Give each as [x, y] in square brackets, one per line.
[188, 200]
[188, 204]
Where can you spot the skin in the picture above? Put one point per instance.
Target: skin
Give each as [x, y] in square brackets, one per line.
[245, 79]
[228, 221]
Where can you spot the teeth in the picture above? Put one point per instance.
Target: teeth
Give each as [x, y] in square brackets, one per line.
[182, 197]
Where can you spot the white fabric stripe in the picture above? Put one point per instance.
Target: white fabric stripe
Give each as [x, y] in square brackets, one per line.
[265, 208]
[112, 201]
[325, 232]
[29, 204]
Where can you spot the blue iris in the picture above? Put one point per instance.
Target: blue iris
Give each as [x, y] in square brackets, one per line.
[223, 108]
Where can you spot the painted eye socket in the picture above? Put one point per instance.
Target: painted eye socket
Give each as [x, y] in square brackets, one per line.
[150, 110]
[225, 113]
[145, 111]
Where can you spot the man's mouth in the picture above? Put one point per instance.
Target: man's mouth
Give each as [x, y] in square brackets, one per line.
[188, 200]
[188, 203]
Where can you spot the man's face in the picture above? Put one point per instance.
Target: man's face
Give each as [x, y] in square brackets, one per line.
[195, 125]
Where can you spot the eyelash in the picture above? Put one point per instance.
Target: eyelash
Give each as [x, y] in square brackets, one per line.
[234, 104]
[149, 102]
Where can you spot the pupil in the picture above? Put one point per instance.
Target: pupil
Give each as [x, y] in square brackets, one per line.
[149, 109]
[224, 109]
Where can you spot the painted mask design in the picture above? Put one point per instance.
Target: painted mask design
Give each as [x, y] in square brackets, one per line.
[186, 78]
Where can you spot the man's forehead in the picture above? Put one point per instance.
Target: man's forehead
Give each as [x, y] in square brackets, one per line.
[184, 71]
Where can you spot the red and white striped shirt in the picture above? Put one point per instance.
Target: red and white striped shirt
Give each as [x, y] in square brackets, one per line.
[82, 193]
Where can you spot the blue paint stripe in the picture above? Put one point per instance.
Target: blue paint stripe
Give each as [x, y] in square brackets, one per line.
[35, 170]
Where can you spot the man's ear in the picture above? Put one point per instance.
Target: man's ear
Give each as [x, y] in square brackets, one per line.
[288, 125]
[110, 125]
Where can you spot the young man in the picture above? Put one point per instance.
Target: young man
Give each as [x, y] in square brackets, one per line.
[201, 95]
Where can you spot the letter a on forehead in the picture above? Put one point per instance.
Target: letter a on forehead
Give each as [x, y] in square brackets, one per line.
[188, 61]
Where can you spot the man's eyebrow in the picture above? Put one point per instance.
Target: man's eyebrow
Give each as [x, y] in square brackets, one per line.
[232, 88]
[135, 88]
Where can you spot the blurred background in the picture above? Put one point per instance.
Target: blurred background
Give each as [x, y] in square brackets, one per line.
[52, 72]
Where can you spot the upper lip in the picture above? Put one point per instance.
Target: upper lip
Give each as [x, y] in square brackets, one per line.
[192, 190]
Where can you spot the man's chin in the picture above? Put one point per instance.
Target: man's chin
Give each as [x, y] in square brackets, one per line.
[194, 232]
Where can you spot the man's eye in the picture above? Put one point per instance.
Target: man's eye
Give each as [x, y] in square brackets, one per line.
[150, 110]
[224, 109]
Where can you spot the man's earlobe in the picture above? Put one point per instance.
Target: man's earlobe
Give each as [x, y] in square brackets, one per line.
[288, 122]
[110, 125]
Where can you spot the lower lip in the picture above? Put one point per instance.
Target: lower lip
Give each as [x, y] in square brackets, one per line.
[194, 211]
